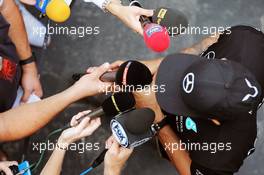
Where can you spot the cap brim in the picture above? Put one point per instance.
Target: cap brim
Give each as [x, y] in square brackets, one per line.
[170, 74]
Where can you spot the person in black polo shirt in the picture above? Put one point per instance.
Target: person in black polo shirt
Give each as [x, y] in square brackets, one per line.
[210, 105]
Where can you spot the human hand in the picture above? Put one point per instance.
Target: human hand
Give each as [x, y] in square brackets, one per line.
[115, 157]
[79, 130]
[130, 15]
[90, 84]
[30, 82]
[4, 166]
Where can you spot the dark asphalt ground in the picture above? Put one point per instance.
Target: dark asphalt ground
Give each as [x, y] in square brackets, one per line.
[69, 54]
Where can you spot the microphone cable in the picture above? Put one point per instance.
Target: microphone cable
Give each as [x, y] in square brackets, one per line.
[36, 165]
[95, 163]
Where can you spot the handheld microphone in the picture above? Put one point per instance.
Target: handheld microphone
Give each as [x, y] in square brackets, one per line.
[133, 128]
[129, 73]
[56, 10]
[156, 37]
[170, 19]
[113, 105]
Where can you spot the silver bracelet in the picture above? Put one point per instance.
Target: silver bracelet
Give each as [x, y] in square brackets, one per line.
[105, 4]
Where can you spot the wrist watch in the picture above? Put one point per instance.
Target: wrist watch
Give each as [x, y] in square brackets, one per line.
[156, 127]
[105, 4]
[29, 60]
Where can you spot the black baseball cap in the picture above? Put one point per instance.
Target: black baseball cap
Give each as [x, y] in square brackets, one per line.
[199, 87]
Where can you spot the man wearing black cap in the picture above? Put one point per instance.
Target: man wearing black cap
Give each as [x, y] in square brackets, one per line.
[210, 105]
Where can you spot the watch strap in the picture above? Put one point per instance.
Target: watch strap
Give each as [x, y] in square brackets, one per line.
[156, 127]
[29, 60]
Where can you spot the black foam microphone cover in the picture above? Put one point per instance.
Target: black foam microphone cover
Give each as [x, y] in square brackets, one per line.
[133, 128]
[139, 121]
[113, 105]
[118, 102]
[133, 73]
[170, 18]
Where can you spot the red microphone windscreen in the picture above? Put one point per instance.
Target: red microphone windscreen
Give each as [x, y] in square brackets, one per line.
[156, 37]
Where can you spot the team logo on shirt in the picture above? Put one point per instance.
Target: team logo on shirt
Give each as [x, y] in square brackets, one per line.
[8, 70]
[190, 124]
[251, 87]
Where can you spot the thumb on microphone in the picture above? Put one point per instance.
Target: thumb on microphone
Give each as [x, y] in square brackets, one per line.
[102, 69]
[142, 12]
[145, 12]
[105, 86]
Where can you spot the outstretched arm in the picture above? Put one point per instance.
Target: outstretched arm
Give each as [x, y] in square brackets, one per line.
[129, 15]
[78, 131]
[179, 157]
[28, 118]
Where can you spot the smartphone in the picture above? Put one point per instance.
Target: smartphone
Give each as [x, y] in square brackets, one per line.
[24, 166]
